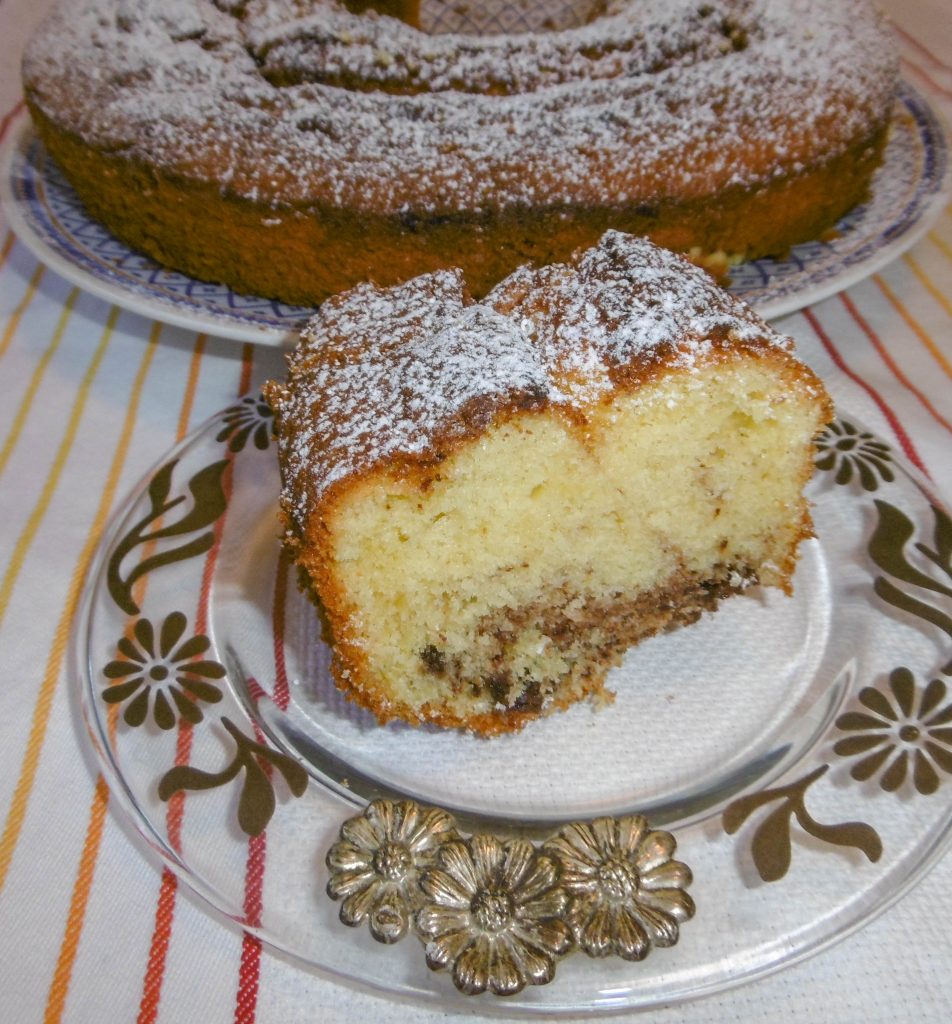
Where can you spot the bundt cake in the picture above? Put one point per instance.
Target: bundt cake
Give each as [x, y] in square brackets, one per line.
[294, 148]
[491, 501]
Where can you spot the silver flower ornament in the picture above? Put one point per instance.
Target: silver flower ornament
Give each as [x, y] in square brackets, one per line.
[627, 893]
[494, 915]
[376, 865]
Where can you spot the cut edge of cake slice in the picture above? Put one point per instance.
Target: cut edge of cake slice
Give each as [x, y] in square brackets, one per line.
[491, 502]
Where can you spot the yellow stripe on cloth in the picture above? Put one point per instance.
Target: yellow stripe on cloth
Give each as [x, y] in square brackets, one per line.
[26, 538]
[44, 703]
[17, 314]
[20, 418]
[188, 399]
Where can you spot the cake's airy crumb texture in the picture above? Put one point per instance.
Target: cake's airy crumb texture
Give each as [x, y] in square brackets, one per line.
[293, 148]
[492, 501]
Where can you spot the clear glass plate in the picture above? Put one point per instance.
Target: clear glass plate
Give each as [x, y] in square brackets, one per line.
[799, 749]
[909, 192]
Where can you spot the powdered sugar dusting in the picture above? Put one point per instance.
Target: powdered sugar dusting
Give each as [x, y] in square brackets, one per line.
[383, 369]
[289, 103]
[403, 370]
[622, 298]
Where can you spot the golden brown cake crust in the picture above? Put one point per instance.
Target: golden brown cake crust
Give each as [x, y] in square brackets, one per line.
[402, 376]
[294, 148]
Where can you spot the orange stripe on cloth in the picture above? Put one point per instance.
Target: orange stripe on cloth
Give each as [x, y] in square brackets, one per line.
[56, 998]
[168, 889]
[44, 703]
[884, 353]
[940, 242]
[7, 246]
[905, 441]
[17, 315]
[946, 250]
[911, 322]
[82, 886]
[19, 418]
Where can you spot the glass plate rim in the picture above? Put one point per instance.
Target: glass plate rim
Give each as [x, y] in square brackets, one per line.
[81, 660]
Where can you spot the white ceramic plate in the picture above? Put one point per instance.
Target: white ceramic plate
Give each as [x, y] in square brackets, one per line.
[909, 191]
[799, 749]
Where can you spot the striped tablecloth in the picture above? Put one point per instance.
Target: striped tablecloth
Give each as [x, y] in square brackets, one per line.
[91, 927]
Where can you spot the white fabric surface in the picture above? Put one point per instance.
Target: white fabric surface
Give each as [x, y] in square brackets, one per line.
[897, 968]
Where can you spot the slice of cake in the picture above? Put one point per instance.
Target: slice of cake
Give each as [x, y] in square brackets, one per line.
[492, 501]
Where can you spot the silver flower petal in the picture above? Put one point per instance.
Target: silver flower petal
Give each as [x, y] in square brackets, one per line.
[579, 841]
[550, 935]
[506, 975]
[487, 854]
[631, 831]
[630, 938]
[674, 902]
[384, 817]
[539, 968]
[519, 860]
[446, 947]
[458, 864]
[670, 875]
[444, 888]
[344, 856]
[471, 968]
[540, 881]
[435, 919]
[575, 874]
[656, 848]
[595, 934]
[360, 832]
[661, 927]
[426, 824]
[343, 883]
[582, 906]
[550, 903]
[390, 918]
[359, 904]
[605, 833]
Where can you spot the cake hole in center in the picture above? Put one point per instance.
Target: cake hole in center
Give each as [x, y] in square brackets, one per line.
[485, 17]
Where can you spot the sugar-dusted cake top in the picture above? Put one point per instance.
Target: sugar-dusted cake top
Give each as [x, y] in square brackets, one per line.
[403, 373]
[293, 101]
